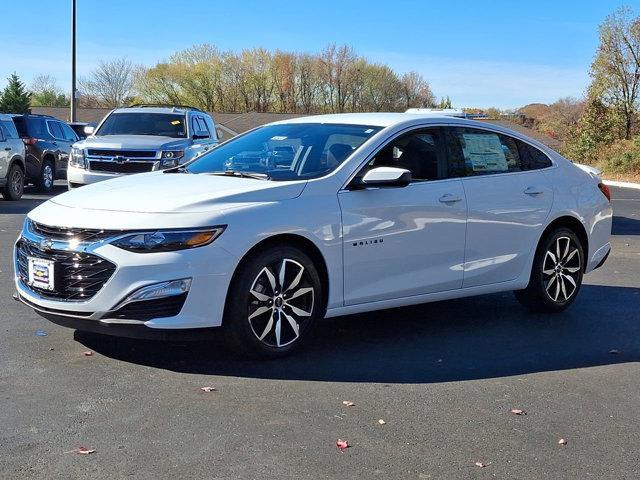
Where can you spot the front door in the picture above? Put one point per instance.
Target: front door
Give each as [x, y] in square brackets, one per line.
[405, 241]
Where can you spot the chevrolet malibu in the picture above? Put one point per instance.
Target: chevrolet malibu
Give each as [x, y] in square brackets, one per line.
[316, 217]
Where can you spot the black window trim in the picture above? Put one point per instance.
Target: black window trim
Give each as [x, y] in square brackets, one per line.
[48, 121]
[3, 137]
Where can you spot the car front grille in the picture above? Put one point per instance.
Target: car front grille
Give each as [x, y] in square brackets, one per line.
[120, 167]
[149, 309]
[96, 152]
[66, 234]
[78, 276]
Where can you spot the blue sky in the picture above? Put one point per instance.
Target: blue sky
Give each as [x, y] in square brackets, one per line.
[479, 52]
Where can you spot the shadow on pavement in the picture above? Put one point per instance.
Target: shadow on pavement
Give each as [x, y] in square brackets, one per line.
[625, 226]
[30, 200]
[474, 338]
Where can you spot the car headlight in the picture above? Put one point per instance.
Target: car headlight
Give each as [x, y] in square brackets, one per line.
[171, 158]
[76, 158]
[168, 240]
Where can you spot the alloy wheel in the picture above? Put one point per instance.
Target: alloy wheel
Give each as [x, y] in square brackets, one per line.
[47, 176]
[16, 182]
[561, 270]
[280, 303]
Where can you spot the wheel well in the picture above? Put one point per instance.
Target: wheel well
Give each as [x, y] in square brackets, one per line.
[19, 162]
[304, 244]
[576, 226]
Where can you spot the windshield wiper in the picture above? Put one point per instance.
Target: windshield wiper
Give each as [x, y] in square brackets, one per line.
[236, 173]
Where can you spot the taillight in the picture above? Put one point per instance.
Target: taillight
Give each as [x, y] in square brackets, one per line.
[29, 141]
[605, 190]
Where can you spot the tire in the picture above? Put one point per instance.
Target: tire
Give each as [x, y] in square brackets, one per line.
[554, 285]
[44, 183]
[15, 183]
[261, 320]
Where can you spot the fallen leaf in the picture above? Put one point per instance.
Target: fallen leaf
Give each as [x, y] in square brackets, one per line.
[84, 450]
[614, 351]
[348, 403]
[562, 441]
[208, 389]
[480, 464]
[517, 411]
[381, 422]
[342, 444]
[88, 353]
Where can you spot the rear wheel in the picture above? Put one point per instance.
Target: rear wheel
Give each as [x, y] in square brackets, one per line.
[556, 275]
[273, 301]
[45, 181]
[15, 184]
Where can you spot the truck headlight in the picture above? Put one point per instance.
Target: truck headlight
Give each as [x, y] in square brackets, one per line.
[168, 240]
[171, 158]
[76, 158]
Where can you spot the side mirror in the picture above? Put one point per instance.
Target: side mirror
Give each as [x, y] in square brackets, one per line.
[385, 177]
[89, 129]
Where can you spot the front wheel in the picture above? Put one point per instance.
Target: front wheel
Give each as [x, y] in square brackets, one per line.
[556, 275]
[274, 299]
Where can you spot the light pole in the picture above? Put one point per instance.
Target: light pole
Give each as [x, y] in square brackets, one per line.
[73, 61]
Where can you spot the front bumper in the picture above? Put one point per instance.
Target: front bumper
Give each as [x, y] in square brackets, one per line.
[209, 268]
[77, 177]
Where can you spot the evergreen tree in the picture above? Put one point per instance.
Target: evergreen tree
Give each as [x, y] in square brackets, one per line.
[15, 98]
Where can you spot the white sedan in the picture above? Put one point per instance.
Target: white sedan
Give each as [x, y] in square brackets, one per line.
[316, 217]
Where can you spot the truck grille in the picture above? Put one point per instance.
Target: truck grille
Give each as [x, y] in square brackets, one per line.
[120, 167]
[77, 275]
[96, 152]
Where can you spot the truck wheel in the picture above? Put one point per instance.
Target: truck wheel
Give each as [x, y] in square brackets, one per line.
[45, 181]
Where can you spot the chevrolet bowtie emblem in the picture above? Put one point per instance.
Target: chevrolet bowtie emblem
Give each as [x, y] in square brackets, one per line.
[46, 244]
[119, 159]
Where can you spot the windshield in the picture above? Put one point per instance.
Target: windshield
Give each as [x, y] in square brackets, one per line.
[157, 124]
[287, 151]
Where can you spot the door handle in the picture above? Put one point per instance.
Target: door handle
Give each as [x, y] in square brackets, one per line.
[534, 191]
[7, 148]
[55, 143]
[449, 198]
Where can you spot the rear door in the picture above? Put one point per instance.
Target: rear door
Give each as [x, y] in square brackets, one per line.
[5, 154]
[405, 241]
[509, 199]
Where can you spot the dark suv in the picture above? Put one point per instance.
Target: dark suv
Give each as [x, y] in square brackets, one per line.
[48, 144]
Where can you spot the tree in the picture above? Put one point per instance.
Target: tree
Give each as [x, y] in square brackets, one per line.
[616, 68]
[596, 128]
[111, 84]
[15, 98]
[445, 102]
[46, 93]
[416, 92]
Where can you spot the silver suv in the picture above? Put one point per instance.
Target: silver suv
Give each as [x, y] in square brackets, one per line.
[140, 139]
[11, 160]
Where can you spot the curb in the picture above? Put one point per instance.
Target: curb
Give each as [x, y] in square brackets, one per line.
[613, 183]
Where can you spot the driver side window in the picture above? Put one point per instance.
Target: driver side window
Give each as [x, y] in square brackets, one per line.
[419, 151]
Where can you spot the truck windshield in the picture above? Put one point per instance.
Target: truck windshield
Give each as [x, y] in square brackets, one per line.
[157, 124]
[289, 151]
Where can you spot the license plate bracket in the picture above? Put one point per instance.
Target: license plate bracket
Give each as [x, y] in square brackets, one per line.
[41, 273]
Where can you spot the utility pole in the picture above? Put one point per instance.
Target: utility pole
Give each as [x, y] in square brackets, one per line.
[72, 116]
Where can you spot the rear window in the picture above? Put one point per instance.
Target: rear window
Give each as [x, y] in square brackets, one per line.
[156, 124]
[30, 127]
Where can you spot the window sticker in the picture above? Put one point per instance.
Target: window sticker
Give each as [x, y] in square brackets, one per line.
[279, 137]
[175, 122]
[484, 152]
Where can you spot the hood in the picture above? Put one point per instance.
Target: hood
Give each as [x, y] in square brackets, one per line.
[132, 142]
[159, 192]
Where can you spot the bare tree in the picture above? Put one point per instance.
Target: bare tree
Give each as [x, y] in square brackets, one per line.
[111, 84]
[616, 68]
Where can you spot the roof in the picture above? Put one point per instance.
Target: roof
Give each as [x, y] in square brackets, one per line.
[155, 109]
[232, 124]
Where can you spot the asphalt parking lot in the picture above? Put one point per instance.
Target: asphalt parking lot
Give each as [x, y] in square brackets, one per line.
[443, 376]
